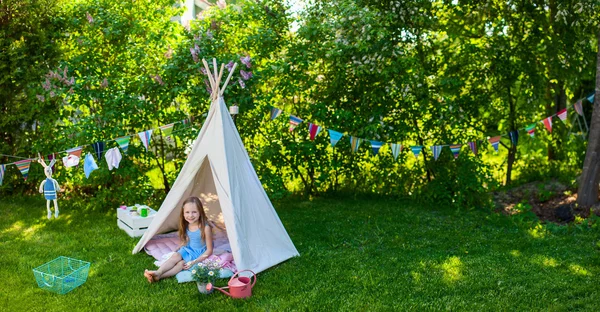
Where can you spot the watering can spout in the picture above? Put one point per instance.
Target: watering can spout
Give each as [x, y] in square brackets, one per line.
[210, 287]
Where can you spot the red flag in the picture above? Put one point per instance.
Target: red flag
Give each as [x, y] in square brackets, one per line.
[563, 115]
[548, 123]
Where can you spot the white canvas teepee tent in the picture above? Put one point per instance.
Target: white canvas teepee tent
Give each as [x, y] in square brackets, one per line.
[219, 172]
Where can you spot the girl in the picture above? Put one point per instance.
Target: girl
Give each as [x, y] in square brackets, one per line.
[196, 241]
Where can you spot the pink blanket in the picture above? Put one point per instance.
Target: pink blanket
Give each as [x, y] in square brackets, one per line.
[161, 246]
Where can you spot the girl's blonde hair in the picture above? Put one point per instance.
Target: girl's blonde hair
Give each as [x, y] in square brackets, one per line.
[183, 224]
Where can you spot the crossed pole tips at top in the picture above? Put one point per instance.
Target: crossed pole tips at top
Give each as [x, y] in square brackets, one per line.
[214, 78]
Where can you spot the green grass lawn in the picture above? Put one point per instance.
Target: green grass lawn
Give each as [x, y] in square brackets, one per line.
[355, 255]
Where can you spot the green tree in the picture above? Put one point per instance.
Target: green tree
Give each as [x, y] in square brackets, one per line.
[28, 32]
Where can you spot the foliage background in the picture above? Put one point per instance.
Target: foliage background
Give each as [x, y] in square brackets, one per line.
[416, 73]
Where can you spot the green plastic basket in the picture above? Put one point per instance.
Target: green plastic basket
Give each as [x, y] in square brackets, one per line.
[62, 274]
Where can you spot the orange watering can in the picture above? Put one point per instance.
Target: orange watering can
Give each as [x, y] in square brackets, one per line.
[239, 287]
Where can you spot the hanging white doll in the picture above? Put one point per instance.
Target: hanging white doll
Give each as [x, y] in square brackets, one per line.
[49, 187]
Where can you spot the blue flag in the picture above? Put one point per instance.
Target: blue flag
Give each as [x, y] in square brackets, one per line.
[334, 137]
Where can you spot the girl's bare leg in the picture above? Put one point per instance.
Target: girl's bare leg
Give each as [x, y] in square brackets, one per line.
[174, 270]
[165, 267]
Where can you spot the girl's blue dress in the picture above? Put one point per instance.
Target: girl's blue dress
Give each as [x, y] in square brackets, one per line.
[195, 246]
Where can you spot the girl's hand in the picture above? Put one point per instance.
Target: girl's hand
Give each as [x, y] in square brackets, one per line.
[188, 265]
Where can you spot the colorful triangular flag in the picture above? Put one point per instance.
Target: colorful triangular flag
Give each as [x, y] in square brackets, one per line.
[275, 112]
[455, 148]
[591, 98]
[2, 170]
[124, 142]
[76, 151]
[23, 166]
[548, 123]
[416, 150]
[294, 121]
[563, 115]
[146, 136]
[514, 137]
[531, 130]
[495, 141]
[436, 149]
[313, 130]
[578, 108]
[334, 137]
[354, 143]
[396, 149]
[473, 147]
[99, 148]
[167, 129]
[376, 145]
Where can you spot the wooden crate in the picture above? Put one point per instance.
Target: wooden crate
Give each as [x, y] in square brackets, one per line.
[134, 225]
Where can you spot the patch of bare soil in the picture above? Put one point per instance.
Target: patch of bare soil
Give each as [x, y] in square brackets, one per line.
[551, 201]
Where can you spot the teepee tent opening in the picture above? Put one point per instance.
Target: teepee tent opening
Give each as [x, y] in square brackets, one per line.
[219, 172]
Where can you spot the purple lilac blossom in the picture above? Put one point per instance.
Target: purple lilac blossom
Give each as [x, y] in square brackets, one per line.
[245, 75]
[229, 66]
[246, 61]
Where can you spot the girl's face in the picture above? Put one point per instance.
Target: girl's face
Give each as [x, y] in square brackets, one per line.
[191, 213]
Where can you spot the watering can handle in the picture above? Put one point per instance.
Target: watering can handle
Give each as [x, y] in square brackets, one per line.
[253, 274]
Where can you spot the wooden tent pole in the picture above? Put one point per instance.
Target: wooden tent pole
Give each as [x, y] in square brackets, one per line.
[228, 77]
[210, 78]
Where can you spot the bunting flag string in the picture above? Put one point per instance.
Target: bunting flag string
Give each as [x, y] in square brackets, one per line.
[455, 148]
[275, 112]
[548, 123]
[354, 143]
[145, 136]
[294, 122]
[562, 114]
[473, 146]
[416, 150]
[514, 137]
[11, 156]
[166, 130]
[495, 141]
[334, 137]
[23, 166]
[531, 130]
[2, 170]
[436, 149]
[376, 145]
[74, 154]
[396, 149]
[591, 98]
[313, 130]
[124, 142]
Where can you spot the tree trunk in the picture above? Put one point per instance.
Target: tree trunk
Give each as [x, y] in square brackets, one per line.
[588, 185]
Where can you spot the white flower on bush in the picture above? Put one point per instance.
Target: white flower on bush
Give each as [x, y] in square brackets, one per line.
[211, 273]
[193, 271]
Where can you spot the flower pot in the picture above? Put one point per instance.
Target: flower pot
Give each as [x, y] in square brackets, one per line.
[202, 288]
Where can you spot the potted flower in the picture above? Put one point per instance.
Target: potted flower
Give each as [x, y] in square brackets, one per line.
[205, 272]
